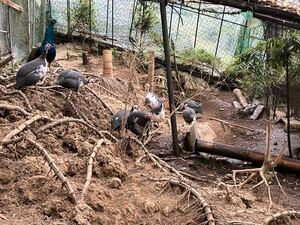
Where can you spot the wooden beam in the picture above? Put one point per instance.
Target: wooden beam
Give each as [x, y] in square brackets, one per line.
[13, 5]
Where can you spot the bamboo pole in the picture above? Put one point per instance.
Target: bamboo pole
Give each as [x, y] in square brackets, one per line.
[107, 63]
[244, 154]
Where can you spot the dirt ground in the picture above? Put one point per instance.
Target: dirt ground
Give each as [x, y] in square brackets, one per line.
[126, 186]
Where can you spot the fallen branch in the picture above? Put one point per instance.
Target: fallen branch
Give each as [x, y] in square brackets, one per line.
[56, 170]
[13, 107]
[97, 96]
[281, 214]
[231, 124]
[22, 126]
[193, 191]
[89, 168]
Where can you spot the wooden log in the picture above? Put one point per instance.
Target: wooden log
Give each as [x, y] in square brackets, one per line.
[238, 94]
[257, 112]
[7, 59]
[85, 59]
[151, 67]
[244, 154]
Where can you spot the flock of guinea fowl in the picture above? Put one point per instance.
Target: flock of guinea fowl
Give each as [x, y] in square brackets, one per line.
[134, 120]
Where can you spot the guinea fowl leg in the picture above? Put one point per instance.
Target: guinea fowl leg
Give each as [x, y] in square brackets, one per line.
[69, 95]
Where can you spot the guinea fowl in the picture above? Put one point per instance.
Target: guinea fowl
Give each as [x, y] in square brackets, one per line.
[155, 104]
[118, 118]
[197, 107]
[189, 115]
[137, 121]
[72, 79]
[33, 71]
[48, 39]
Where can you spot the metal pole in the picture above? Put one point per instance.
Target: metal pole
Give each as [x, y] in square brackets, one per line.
[197, 26]
[288, 101]
[107, 11]
[68, 18]
[112, 22]
[220, 31]
[163, 14]
[178, 22]
[171, 20]
[90, 19]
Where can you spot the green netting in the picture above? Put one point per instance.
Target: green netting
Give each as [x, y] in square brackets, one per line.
[244, 38]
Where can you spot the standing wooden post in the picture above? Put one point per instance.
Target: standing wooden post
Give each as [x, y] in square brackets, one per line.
[85, 59]
[107, 63]
[151, 66]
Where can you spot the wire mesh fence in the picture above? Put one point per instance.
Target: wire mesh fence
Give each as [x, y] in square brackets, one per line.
[213, 28]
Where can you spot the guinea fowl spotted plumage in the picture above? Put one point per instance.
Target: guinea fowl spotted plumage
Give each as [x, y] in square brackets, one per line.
[137, 121]
[119, 117]
[155, 104]
[197, 107]
[72, 79]
[48, 39]
[33, 71]
[189, 115]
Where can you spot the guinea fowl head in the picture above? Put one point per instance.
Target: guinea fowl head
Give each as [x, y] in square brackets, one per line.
[148, 115]
[134, 108]
[47, 47]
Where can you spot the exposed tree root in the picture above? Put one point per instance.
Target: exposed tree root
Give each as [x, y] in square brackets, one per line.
[278, 215]
[28, 106]
[89, 168]
[98, 97]
[110, 93]
[68, 120]
[13, 107]
[12, 141]
[54, 167]
[267, 166]
[195, 193]
[22, 126]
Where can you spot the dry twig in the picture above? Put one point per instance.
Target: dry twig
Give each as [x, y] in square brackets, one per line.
[231, 124]
[282, 214]
[54, 167]
[13, 107]
[89, 168]
[97, 96]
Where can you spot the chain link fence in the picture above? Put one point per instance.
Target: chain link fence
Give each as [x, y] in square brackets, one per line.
[213, 28]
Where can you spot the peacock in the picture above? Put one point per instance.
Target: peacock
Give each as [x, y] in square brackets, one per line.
[48, 39]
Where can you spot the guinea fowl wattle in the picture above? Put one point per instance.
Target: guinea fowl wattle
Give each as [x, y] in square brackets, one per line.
[72, 79]
[33, 71]
[137, 122]
[48, 39]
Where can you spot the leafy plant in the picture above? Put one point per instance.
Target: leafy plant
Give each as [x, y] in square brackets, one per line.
[192, 56]
[265, 64]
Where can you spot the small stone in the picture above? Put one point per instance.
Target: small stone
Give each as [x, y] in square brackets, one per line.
[115, 183]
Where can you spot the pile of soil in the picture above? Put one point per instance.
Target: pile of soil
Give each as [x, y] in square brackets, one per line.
[126, 186]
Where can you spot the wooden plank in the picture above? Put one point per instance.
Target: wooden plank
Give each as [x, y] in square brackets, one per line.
[13, 5]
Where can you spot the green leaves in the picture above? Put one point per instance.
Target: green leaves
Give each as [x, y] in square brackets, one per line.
[265, 64]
